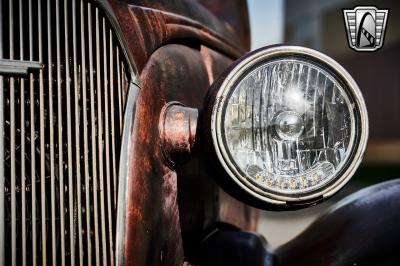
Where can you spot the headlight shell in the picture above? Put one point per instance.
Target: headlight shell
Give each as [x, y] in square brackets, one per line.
[288, 125]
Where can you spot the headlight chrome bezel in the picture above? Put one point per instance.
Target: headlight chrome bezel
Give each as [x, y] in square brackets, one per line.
[248, 63]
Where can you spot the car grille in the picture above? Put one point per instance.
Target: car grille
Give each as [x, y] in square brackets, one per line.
[63, 84]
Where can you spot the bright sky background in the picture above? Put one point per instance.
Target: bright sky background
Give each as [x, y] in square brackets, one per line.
[266, 22]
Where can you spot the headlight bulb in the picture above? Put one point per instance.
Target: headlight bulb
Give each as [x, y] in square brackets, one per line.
[289, 125]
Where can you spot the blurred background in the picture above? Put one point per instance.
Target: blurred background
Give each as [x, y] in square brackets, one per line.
[319, 25]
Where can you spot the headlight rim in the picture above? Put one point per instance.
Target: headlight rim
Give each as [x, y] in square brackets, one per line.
[249, 63]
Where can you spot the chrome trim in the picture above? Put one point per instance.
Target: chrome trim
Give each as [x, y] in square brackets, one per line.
[125, 154]
[18, 67]
[246, 63]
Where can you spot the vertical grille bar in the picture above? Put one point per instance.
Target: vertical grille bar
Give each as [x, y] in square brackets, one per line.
[2, 176]
[100, 140]
[107, 142]
[112, 114]
[69, 138]
[22, 150]
[42, 140]
[51, 133]
[60, 136]
[12, 142]
[77, 136]
[93, 135]
[85, 133]
[123, 81]
[119, 91]
[32, 139]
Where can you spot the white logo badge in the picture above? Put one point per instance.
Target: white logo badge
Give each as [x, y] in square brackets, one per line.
[366, 27]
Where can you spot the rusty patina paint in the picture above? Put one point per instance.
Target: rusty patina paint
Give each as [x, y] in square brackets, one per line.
[153, 186]
[147, 25]
[178, 125]
[169, 209]
[178, 48]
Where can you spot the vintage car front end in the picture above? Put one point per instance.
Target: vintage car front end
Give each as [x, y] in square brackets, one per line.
[140, 132]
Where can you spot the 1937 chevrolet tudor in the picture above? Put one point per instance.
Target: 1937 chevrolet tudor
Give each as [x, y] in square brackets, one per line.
[116, 147]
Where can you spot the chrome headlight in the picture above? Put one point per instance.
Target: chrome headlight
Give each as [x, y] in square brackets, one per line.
[288, 125]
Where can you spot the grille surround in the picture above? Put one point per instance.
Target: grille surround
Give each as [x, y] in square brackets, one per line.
[60, 93]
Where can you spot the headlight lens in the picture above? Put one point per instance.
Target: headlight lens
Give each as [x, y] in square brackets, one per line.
[289, 125]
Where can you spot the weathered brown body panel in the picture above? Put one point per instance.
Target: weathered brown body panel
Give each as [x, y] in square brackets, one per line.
[148, 25]
[168, 208]
[178, 49]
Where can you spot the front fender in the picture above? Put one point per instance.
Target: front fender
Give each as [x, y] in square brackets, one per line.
[362, 229]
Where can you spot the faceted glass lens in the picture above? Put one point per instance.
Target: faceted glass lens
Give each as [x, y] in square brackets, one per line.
[289, 126]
